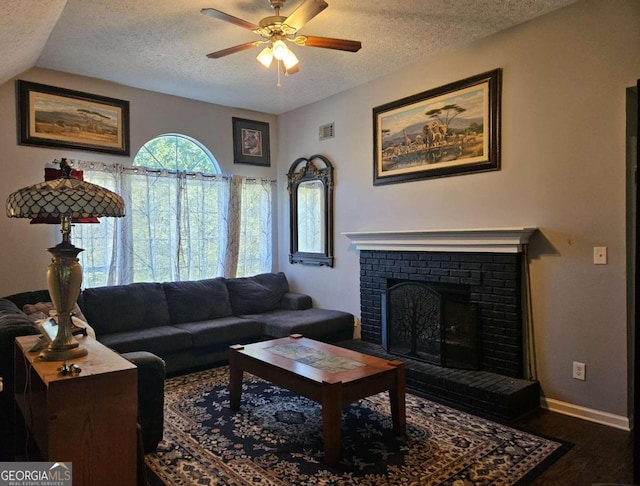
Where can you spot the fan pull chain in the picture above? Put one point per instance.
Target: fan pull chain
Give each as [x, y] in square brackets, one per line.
[278, 69]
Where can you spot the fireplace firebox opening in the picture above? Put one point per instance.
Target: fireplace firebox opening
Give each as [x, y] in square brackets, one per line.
[434, 323]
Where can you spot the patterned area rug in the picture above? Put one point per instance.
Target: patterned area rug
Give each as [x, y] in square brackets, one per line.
[276, 439]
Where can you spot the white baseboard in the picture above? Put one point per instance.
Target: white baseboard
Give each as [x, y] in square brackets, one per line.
[597, 416]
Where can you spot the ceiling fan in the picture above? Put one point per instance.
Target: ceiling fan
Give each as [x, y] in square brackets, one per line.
[277, 30]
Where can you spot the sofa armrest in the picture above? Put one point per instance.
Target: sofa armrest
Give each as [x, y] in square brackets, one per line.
[295, 301]
[151, 375]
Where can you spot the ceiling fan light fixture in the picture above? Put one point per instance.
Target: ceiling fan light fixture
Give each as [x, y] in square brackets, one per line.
[276, 31]
[290, 60]
[279, 50]
[265, 57]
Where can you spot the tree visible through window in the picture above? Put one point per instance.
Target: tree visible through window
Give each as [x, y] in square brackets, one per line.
[176, 152]
[175, 212]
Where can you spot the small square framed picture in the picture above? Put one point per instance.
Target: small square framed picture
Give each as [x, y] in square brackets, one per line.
[251, 142]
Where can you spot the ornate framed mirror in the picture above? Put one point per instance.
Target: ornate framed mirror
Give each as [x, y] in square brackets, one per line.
[310, 185]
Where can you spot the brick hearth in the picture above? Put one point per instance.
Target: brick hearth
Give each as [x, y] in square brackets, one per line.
[476, 391]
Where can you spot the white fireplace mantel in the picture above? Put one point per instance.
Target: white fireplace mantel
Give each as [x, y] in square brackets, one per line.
[484, 240]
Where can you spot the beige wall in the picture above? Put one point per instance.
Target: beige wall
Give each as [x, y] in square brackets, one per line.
[563, 170]
[23, 258]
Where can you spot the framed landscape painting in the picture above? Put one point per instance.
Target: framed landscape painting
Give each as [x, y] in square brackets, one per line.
[251, 142]
[63, 118]
[446, 131]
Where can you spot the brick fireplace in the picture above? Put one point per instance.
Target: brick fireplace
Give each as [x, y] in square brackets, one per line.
[493, 282]
[486, 265]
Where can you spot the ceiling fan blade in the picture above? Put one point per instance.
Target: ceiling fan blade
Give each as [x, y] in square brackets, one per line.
[329, 43]
[217, 14]
[232, 50]
[305, 12]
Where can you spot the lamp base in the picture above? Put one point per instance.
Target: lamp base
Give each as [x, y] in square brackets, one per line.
[52, 354]
[64, 277]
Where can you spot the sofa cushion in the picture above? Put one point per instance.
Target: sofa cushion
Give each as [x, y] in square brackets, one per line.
[125, 307]
[257, 294]
[223, 331]
[295, 301]
[321, 324]
[15, 322]
[200, 300]
[160, 340]
[23, 298]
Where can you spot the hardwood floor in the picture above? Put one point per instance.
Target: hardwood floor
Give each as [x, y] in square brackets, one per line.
[600, 455]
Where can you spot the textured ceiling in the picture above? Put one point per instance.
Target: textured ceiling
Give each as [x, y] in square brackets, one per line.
[161, 45]
[25, 26]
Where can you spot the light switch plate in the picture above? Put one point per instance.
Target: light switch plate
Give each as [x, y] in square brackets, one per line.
[599, 255]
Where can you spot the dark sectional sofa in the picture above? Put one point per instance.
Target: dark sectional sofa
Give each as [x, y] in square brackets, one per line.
[188, 324]
[192, 324]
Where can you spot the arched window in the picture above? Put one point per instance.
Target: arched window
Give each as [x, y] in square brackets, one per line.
[175, 152]
[177, 205]
[184, 219]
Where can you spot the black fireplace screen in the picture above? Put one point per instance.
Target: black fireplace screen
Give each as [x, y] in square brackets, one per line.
[437, 326]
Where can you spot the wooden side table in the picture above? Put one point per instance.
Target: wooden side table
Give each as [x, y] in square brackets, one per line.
[88, 419]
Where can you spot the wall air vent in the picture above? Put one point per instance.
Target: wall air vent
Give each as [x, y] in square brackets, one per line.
[327, 131]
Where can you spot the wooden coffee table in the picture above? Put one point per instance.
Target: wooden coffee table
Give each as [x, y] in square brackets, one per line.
[329, 375]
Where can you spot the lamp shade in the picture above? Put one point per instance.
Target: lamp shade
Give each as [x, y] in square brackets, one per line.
[65, 196]
[290, 60]
[50, 174]
[265, 57]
